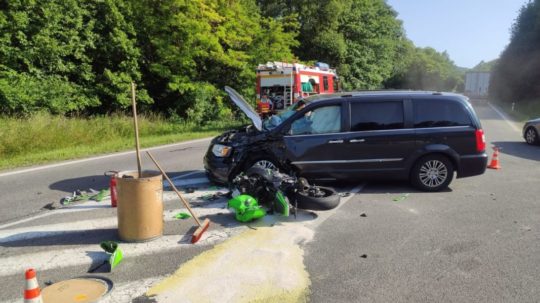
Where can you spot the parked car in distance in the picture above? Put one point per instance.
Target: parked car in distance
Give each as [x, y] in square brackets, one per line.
[424, 137]
[531, 129]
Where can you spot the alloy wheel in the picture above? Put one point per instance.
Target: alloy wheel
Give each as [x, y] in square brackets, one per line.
[265, 164]
[530, 136]
[433, 173]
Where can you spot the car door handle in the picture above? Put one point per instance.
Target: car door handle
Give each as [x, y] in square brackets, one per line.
[335, 141]
[357, 140]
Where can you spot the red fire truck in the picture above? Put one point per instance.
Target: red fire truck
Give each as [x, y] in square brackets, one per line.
[280, 84]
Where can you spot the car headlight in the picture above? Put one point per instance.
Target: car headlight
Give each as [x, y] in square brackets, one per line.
[221, 150]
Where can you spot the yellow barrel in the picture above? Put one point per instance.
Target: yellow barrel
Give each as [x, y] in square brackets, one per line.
[140, 205]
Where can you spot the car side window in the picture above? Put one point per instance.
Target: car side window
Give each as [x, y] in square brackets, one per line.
[439, 113]
[322, 120]
[367, 116]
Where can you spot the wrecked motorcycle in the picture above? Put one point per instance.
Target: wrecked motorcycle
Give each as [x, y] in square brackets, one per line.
[264, 184]
[281, 192]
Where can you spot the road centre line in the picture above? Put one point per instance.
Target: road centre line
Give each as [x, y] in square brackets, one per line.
[33, 169]
[505, 118]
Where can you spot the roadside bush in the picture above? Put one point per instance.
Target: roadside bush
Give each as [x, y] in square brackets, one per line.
[23, 94]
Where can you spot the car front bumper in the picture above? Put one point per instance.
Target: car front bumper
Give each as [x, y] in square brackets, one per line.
[217, 169]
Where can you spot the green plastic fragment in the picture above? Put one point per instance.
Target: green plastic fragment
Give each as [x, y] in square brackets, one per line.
[101, 195]
[116, 258]
[116, 253]
[401, 198]
[282, 204]
[182, 215]
[246, 207]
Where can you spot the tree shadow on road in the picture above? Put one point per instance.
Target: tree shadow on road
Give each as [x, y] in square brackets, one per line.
[98, 182]
[47, 238]
[519, 149]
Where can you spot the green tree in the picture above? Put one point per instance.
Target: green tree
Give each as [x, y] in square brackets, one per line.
[43, 49]
[375, 42]
[361, 38]
[195, 48]
[515, 75]
[427, 69]
[115, 55]
[66, 55]
[483, 66]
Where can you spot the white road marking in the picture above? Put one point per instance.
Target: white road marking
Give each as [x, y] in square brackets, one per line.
[505, 118]
[33, 169]
[188, 174]
[84, 255]
[90, 205]
[193, 181]
[49, 230]
[87, 254]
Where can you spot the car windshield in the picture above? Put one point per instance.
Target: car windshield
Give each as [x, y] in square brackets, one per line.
[276, 120]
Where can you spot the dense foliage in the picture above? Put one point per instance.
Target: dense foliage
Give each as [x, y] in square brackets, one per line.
[485, 66]
[427, 69]
[515, 76]
[79, 57]
[363, 39]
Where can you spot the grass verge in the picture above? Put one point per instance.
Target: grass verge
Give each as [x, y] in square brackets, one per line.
[44, 138]
[523, 111]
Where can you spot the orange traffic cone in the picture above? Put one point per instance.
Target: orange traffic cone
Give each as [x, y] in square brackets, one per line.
[32, 294]
[495, 159]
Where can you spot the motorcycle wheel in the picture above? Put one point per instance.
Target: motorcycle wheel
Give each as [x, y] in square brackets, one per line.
[327, 199]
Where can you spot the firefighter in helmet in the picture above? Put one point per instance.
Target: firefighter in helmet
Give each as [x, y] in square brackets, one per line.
[266, 100]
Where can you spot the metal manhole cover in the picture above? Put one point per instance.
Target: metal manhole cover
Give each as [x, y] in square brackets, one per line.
[85, 289]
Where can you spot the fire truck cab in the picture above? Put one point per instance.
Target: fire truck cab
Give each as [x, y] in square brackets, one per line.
[280, 84]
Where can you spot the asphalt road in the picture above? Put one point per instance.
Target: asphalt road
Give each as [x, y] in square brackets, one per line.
[26, 192]
[476, 242]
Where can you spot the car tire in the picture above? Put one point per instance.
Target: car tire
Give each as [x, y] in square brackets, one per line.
[329, 201]
[531, 136]
[263, 163]
[432, 173]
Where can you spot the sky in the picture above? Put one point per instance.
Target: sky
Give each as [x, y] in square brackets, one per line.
[469, 30]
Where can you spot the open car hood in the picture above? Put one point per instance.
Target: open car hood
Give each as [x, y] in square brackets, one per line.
[245, 107]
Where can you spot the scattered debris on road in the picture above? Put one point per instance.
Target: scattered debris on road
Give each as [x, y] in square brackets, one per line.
[182, 215]
[81, 196]
[401, 198]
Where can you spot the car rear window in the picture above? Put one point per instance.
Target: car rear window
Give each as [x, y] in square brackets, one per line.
[439, 113]
[376, 115]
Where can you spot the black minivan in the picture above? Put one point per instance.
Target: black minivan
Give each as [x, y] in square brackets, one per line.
[421, 136]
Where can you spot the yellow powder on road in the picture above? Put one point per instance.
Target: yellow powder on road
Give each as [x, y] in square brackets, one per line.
[263, 265]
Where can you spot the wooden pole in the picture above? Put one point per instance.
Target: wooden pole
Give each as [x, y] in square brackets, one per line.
[137, 147]
[186, 204]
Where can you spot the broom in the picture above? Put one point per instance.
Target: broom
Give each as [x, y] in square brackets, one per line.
[202, 227]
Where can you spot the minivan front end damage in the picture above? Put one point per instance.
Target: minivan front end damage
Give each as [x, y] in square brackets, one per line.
[226, 152]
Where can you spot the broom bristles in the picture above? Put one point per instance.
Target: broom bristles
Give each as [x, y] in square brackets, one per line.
[199, 231]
